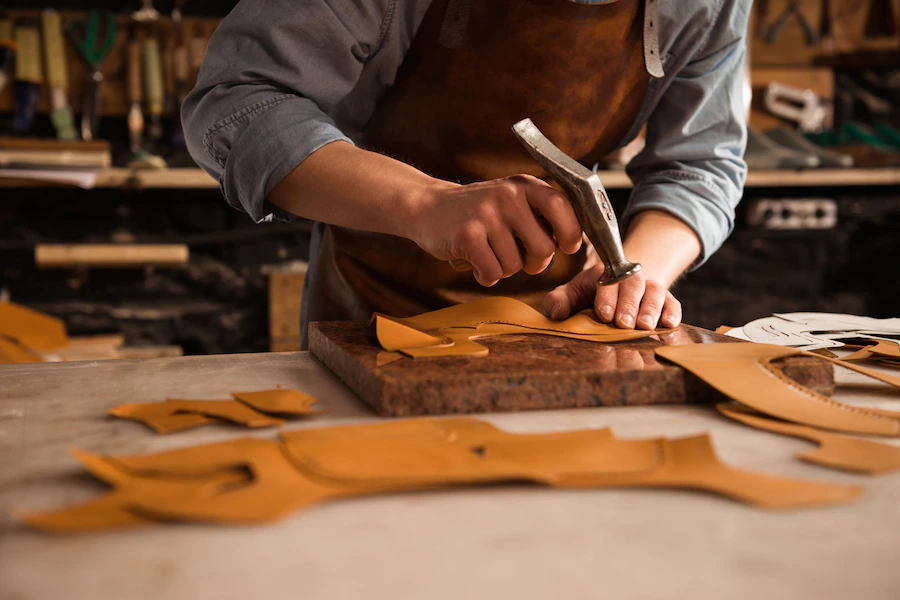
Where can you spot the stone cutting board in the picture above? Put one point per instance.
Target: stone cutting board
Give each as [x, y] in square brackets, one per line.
[528, 372]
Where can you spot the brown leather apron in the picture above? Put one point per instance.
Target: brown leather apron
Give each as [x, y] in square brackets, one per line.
[576, 70]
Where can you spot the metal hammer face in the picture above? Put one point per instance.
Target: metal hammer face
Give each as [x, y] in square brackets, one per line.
[588, 198]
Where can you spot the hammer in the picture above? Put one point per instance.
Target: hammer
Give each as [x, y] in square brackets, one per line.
[588, 198]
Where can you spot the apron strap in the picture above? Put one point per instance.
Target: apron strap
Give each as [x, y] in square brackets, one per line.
[652, 60]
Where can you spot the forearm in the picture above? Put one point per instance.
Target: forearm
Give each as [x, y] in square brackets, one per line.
[664, 245]
[343, 185]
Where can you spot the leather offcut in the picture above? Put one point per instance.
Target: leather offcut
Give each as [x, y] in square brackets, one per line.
[255, 481]
[835, 450]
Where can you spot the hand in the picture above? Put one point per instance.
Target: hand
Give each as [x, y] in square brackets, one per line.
[499, 226]
[637, 302]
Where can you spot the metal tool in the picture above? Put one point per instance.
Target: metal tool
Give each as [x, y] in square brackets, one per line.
[588, 198]
[804, 107]
[135, 96]
[793, 9]
[57, 75]
[28, 75]
[85, 36]
[154, 96]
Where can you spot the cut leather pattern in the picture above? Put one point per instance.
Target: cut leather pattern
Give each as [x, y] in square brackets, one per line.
[744, 373]
[252, 480]
[881, 350]
[249, 409]
[835, 450]
[13, 353]
[30, 328]
[449, 331]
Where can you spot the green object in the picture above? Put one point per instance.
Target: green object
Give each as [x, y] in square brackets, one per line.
[84, 35]
[850, 133]
[888, 134]
[64, 123]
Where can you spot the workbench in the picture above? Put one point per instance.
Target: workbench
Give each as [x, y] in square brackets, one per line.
[498, 542]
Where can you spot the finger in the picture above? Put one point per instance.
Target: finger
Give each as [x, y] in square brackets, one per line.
[485, 266]
[671, 313]
[537, 240]
[629, 301]
[574, 296]
[507, 252]
[605, 302]
[556, 209]
[651, 305]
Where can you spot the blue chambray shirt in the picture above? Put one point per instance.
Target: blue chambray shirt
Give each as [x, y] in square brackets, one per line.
[282, 78]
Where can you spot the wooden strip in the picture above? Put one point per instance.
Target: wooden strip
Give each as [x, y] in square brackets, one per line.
[109, 255]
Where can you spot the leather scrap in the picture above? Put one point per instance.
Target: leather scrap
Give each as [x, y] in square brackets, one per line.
[13, 353]
[32, 329]
[279, 402]
[744, 373]
[228, 410]
[162, 417]
[253, 480]
[883, 349]
[449, 331]
[835, 450]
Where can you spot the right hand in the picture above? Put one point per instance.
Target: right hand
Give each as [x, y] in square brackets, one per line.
[485, 223]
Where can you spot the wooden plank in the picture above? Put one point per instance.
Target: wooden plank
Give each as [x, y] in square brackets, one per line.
[285, 298]
[48, 256]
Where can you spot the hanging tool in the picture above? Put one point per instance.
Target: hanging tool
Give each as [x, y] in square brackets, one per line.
[141, 158]
[57, 75]
[85, 36]
[825, 27]
[28, 75]
[153, 86]
[793, 9]
[804, 107]
[7, 51]
[588, 198]
[147, 13]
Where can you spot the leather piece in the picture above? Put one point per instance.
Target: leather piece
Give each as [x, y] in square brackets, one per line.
[279, 402]
[744, 373]
[253, 480]
[882, 349]
[448, 332]
[835, 450]
[442, 115]
[31, 328]
[13, 353]
[162, 417]
[178, 415]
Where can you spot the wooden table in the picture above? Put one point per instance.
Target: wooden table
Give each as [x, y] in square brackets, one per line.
[502, 542]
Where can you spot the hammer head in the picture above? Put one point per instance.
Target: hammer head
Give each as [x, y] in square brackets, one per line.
[588, 198]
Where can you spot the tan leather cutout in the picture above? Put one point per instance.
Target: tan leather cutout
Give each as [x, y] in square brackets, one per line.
[210, 483]
[229, 410]
[162, 417]
[835, 450]
[13, 353]
[744, 373]
[386, 358]
[279, 402]
[31, 328]
[448, 332]
[115, 509]
[883, 349]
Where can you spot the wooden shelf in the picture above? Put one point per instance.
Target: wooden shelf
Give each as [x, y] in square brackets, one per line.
[198, 179]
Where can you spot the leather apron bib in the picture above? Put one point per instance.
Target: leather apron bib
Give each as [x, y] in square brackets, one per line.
[577, 70]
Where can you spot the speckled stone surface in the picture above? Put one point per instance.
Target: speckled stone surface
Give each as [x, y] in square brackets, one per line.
[527, 372]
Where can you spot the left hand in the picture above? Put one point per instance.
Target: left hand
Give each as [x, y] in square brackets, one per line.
[636, 303]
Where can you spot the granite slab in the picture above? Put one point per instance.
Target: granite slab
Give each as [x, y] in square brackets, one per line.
[528, 372]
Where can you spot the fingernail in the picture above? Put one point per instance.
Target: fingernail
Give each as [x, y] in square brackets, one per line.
[646, 321]
[556, 311]
[669, 322]
[606, 312]
[627, 320]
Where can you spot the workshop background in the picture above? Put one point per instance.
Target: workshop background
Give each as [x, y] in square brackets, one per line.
[127, 241]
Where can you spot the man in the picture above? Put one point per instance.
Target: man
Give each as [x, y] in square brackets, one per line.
[387, 122]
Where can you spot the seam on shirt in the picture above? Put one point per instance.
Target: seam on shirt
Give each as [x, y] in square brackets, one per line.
[386, 23]
[710, 29]
[234, 119]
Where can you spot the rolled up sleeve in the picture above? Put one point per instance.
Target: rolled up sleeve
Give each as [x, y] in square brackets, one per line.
[273, 71]
[692, 166]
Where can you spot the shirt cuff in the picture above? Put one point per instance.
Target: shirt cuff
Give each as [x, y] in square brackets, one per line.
[687, 199]
[266, 148]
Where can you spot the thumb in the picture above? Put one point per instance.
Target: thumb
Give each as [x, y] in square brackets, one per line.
[574, 296]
